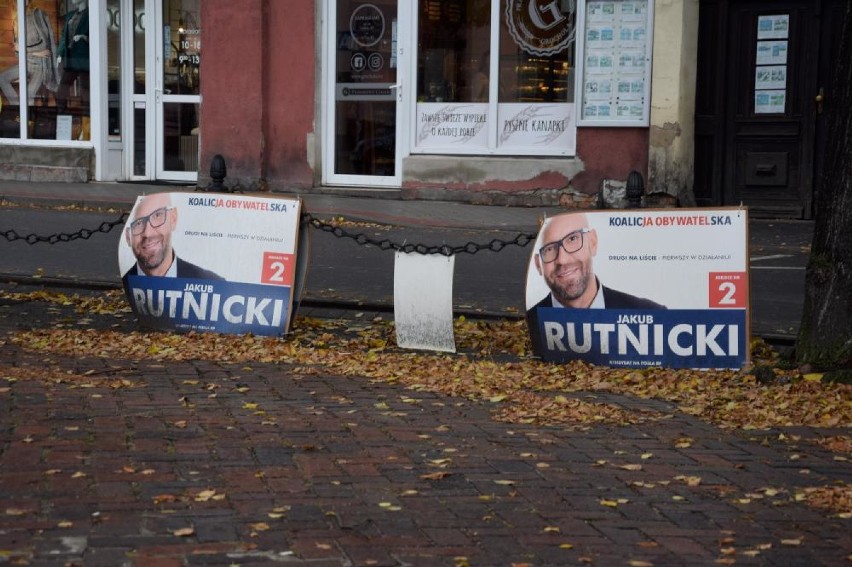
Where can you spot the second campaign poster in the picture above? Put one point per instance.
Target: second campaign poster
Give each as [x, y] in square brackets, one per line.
[211, 262]
[641, 288]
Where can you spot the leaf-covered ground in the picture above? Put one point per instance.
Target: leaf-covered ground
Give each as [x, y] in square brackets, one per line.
[493, 366]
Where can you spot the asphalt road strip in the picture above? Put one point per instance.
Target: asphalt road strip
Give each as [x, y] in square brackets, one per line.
[773, 257]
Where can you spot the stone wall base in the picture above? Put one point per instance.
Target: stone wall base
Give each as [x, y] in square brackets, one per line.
[41, 164]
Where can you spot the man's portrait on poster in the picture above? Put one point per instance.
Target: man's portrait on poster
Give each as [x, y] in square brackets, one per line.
[149, 235]
[565, 261]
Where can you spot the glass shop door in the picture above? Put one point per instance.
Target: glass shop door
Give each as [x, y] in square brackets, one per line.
[177, 89]
[160, 89]
[364, 93]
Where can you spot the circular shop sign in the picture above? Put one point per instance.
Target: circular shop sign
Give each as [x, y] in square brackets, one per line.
[367, 25]
[541, 27]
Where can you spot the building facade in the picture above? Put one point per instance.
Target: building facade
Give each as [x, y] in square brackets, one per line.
[713, 102]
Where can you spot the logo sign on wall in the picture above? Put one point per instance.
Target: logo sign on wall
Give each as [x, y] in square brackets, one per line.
[641, 288]
[541, 27]
[367, 25]
[211, 262]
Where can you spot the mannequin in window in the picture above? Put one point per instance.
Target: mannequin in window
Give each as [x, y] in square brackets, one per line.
[73, 55]
[41, 58]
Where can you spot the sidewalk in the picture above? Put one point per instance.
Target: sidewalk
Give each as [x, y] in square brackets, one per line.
[120, 448]
[110, 460]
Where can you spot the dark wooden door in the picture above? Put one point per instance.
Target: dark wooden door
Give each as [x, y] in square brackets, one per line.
[759, 136]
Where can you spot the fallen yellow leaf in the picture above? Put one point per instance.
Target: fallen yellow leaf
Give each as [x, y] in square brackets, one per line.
[435, 476]
[205, 495]
[689, 480]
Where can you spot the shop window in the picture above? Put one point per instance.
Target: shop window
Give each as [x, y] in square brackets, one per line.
[49, 89]
[495, 77]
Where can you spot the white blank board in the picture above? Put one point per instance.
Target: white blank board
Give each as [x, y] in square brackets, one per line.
[423, 301]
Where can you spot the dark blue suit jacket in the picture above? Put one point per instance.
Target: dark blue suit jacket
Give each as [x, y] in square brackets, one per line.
[613, 299]
[184, 270]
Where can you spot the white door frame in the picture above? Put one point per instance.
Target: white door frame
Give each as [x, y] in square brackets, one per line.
[329, 90]
[152, 100]
[161, 98]
[131, 101]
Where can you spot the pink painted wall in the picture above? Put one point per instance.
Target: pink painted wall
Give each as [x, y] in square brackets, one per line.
[232, 100]
[610, 153]
[257, 86]
[292, 91]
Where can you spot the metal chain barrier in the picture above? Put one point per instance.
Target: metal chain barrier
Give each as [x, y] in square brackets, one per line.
[495, 245]
[84, 233]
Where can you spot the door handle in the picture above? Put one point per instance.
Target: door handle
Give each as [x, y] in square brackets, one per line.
[818, 99]
[398, 88]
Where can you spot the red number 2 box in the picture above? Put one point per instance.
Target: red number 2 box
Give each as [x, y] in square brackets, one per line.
[728, 290]
[278, 269]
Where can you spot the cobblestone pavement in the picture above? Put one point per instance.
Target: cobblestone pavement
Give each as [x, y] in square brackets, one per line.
[203, 463]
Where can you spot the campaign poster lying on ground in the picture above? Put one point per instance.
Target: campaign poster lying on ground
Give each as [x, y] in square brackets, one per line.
[641, 288]
[211, 262]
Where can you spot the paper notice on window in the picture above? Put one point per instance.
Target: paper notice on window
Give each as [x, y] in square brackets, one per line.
[452, 125]
[771, 53]
[63, 127]
[773, 27]
[537, 126]
[770, 77]
[770, 102]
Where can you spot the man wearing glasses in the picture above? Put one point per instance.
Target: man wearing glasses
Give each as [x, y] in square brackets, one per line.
[149, 235]
[565, 262]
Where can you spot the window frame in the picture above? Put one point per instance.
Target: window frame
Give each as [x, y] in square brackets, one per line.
[493, 106]
[95, 45]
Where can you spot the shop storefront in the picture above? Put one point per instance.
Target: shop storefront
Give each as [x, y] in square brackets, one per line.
[111, 89]
[385, 94]
[493, 90]
[489, 101]
[450, 98]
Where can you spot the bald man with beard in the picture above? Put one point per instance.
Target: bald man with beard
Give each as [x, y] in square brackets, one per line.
[565, 261]
[149, 235]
